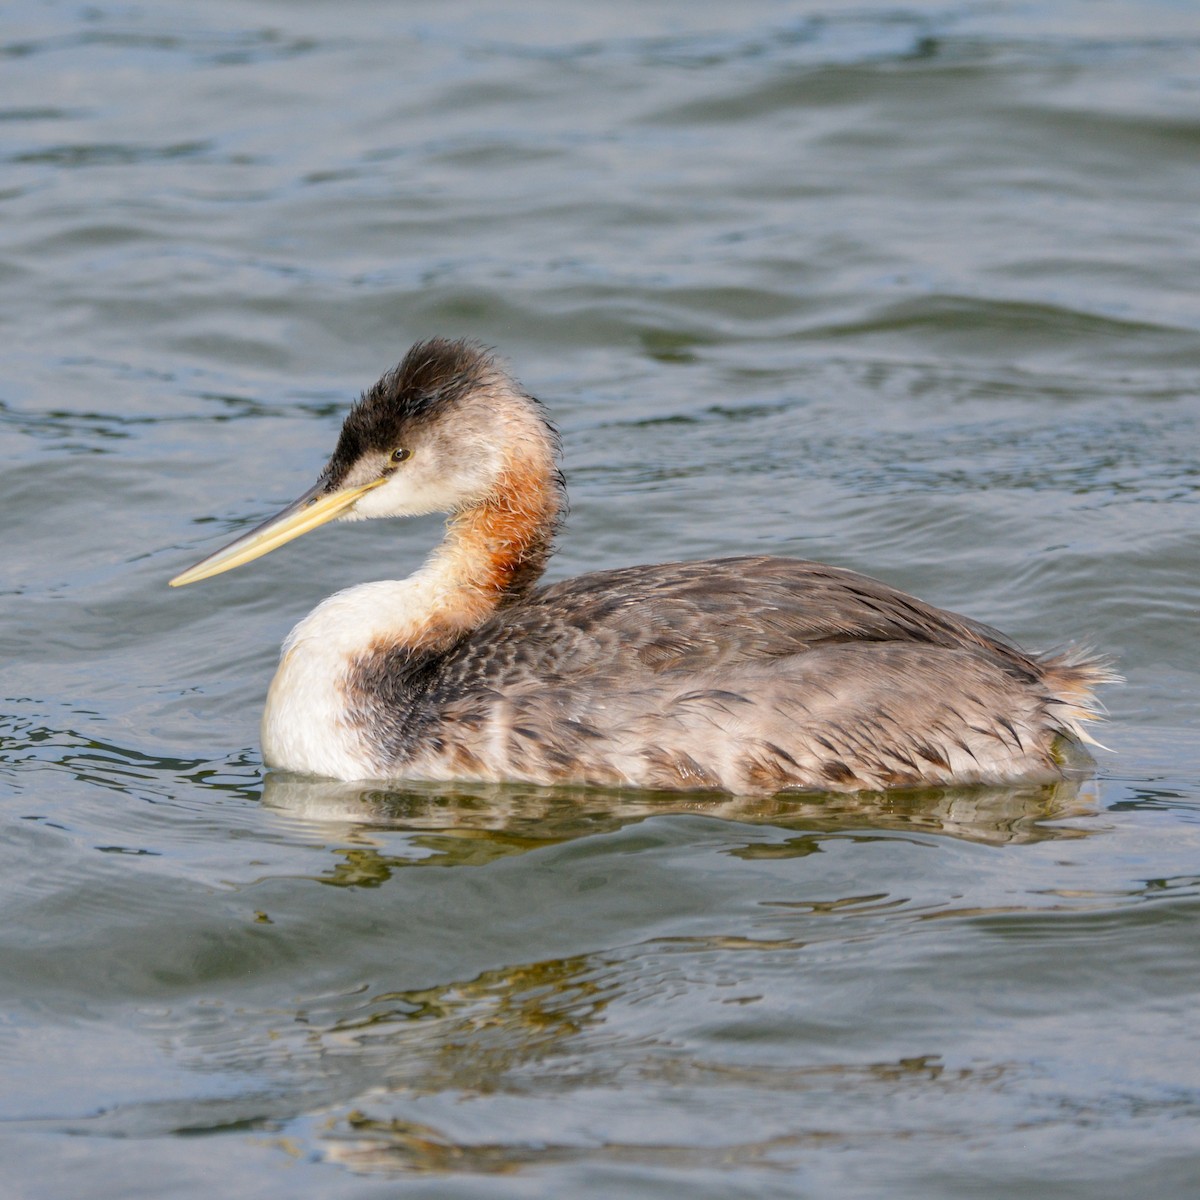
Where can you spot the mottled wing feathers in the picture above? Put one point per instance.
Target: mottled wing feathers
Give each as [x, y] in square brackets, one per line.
[749, 674]
[842, 717]
[695, 615]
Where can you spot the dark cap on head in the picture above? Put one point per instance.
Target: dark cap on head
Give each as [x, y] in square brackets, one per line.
[432, 377]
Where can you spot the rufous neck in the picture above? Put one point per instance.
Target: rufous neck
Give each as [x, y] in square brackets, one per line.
[496, 550]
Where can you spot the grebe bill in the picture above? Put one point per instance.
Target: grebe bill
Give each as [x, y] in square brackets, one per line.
[748, 675]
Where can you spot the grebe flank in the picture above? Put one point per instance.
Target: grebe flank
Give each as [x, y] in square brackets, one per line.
[748, 675]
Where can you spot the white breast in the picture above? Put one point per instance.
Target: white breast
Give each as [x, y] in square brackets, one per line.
[305, 726]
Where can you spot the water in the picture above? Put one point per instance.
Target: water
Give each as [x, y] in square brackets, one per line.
[906, 288]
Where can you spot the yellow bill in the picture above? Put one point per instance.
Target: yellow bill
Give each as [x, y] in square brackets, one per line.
[315, 507]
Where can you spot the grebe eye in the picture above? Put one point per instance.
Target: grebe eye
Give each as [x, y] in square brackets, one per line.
[398, 456]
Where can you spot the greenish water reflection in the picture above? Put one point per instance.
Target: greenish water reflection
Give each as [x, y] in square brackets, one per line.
[473, 824]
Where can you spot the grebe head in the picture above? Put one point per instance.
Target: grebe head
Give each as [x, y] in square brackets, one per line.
[437, 433]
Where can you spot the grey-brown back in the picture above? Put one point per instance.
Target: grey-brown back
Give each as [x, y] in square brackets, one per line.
[749, 674]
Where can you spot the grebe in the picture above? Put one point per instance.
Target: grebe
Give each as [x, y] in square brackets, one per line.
[747, 675]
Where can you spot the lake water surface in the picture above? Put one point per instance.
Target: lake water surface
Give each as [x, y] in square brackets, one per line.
[907, 288]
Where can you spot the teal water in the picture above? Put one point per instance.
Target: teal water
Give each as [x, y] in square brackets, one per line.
[907, 288]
